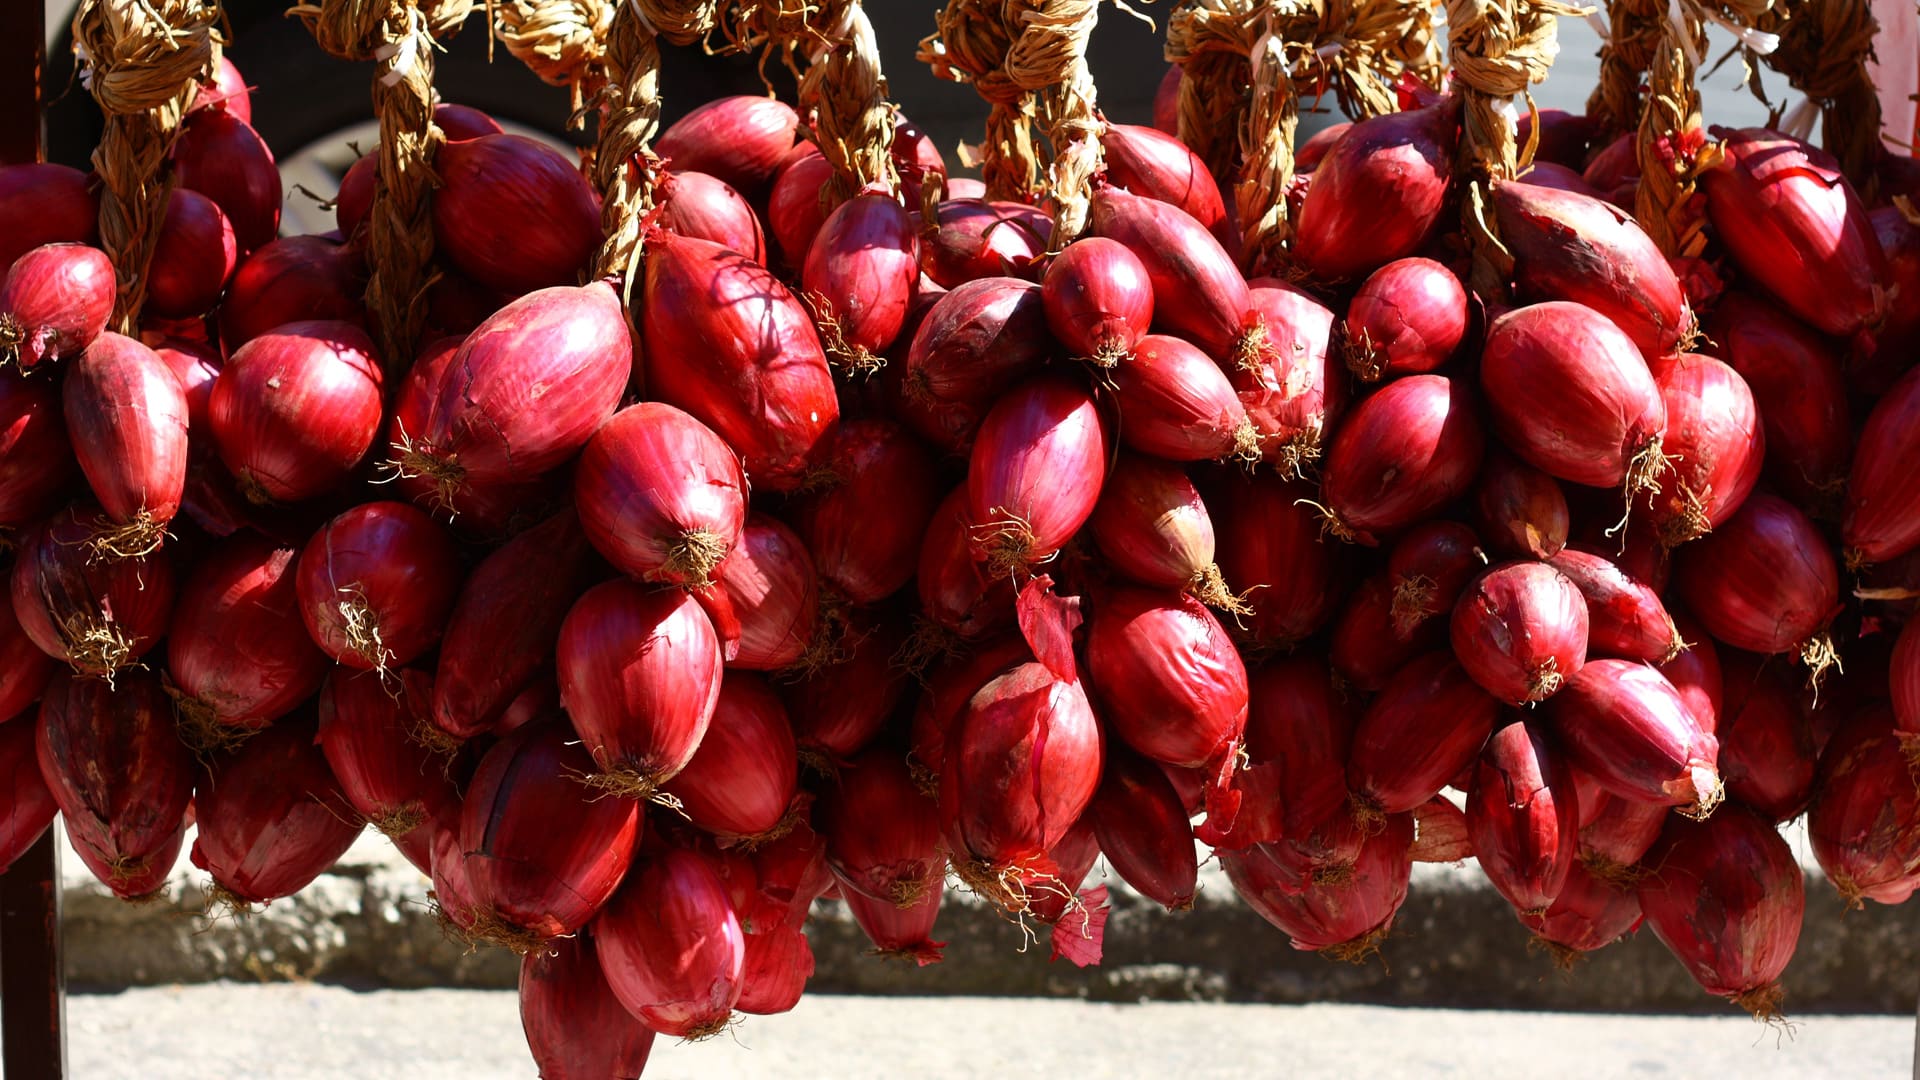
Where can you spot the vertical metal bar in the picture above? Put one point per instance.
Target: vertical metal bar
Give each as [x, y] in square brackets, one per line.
[22, 64]
[33, 981]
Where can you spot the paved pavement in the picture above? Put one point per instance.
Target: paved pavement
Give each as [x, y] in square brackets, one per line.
[307, 1032]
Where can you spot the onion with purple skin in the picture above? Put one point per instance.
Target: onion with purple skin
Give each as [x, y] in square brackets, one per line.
[1864, 823]
[1098, 299]
[98, 617]
[740, 139]
[490, 189]
[865, 515]
[1291, 384]
[660, 495]
[1520, 510]
[193, 257]
[974, 238]
[1624, 724]
[1408, 318]
[36, 457]
[1883, 493]
[1799, 389]
[219, 155]
[769, 577]
[1521, 817]
[1170, 682]
[1625, 615]
[695, 204]
[859, 279]
[1151, 523]
[270, 817]
[1766, 582]
[127, 416]
[1405, 452]
[1271, 551]
[292, 279]
[296, 408]
[42, 203]
[54, 300]
[1378, 193]
[1177, 404]
[1159, 166]
[1198, 293]
[1521, 631]
[1424, 727]
[1715, 446]
[1035, 473]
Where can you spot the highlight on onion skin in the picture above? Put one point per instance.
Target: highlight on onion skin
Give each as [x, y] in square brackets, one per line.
[54, 300]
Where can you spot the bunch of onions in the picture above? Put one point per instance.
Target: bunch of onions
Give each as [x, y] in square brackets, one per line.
[127, 418]
[574, 1024]
[120, 777]
[660, 495]
[1143, 829]
[671, 946]
[1404, 453]
[742, 780]
[29, 808]
[375, 585]
[865, 516]
[238, 652]
[1176, 403]
[1861, 824]
[99, 617]
[54, 300]
[1154, 529]
[1407, 318]
[1521, 817]
[296, 408]
[540, 854]
[860, 274]
[640, 676]
[1625, 725]
[490, 189]
[1424, 727]
[1520, 631]
[1098, 300]
[1765, 581]
[270, 816]
[1035, 473]
[769, 580]
[391, 779]
[36, 458]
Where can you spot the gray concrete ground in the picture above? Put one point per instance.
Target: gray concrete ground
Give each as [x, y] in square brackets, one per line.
[306, 1032]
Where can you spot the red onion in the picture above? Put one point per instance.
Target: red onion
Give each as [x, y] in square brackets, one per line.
[741, 140]
[1899, 336]
[503, 626]
[792, 873]
[1309, 154]
[1428, 568]
[948, 688]
[956, 592]
[1564, 137]
[238, 654]
[193, 257]
[975, 238]
[24, 669]
[1881, 493]
[1198, 293]
[1299, 732]
[1625, 724]
[296, 408]
[797, 206]
[1520, 510]
[1270, 550]
[729, 344]
[1378, 193]
[859, 278]
[1625, 617]
[270, 817]
[1427, 724]
[492, 190]
[1098, 299]
[1177, 404]
[1408, 318]
[1166, 101]
[127, 417]
[367, 735]
[1765, 581]
[661, 497]
[1369, 644]
[1344, 917]
[851, 688]
[1159, 166]
[1614, 831]
[975, 342]
[220, 156]
[672, 947]
[354, 201]
[1293, 391]
[293, 279]
[741, 781]
[576, 1028]
[1143, 829]
[1521, 631]
[1695, 672]
[53, 302]
[1574, 247]
[376, 584]
[1520, 814]
[1767, 755]
[900, 933]
[36, 457]
[1715, 446]
[226, 90]
[774, 975]
[1864, 822]
[1615, 169]
[916, 156]
[1588, 914]
[865, 516]
[1169, 680]
[45, 204]
[1726, 896]
[1154, 529]
[769, 577]
[542, 852]
[883, 833]
[1797, 385]
[1570, 394]
[99, 617]
[1035, 473]
[1548, 174]
[1794, 224]
[489, 509]
[1407, 450]
[639, 676]
[121, 778]
[695, 204]
[29, 808]
[194, 365]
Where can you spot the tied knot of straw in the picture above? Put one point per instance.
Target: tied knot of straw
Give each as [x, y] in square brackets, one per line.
[1634, 30]
[970, 45]
[1822, 48]
[561, 41]
[1049, 60]
[144, 62]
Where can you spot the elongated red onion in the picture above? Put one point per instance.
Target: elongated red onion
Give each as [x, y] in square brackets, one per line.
[491, 189]
[1520, 815]
[1427, 570]
[54, 301]
[1299, 733]
[1345, 916]
[798, 204]
[1369, 644]
[883, 833]
[1767, 754]
[741, 781]
[576, 1028]
[1198, 293]
[672, 947]
[296, 408]
[1292, 388]
[1159, 166]
[1765, 581]
[1378, 192]
[120, 776]
[219, 155]
[774, 974]
[1098, 299]
[859, 278]
[99, 617]
[29, 808]
[1864, 822]
[1900, 241]
[1407, 450]
[847, 697]
[1715, 447]
[1882, 495]
[727, 342]
[42, 203]
[292, 279]
[238, 653]
[1143, 829]
[1520, 630]
[1625, 615]
[1170, 682]
[36, 457]
[193, 257]
[1564, 138]
[389, 778]
[974, 238]
[1428, 723]
[1798, 387]
[957, 594]
[707, 207]
[376, 584]
[1408, 318]
[270, 817]
[770, 579]
[1166, 101]
[541, 851]
[974, 343]
[1271, 551]
[1624, 724]
[1726, 897]
[1793, 223]
[195, 365]
[660, 495]
[1520, 510]
[865, 518]
[1568, 246]
[903, 933]
[1035, 473]
[1549, 174]
[740, 139]
[1589, 913]
[24, 669]
[792, 874]
[489, 508]
[1151, 524]
[1571, 395]
[127, 417]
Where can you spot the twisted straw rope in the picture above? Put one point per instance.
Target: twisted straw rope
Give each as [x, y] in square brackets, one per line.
[970, 45]
[561, 41]
[843, 92]
[1823, 50]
